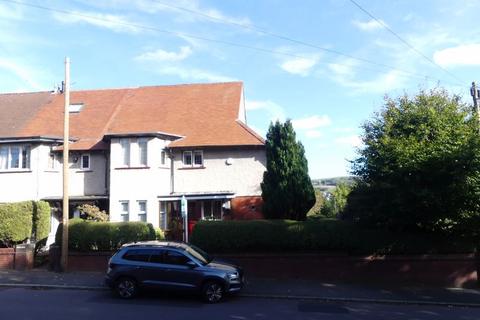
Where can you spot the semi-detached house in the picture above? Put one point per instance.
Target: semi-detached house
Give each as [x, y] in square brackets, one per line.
[135, 152]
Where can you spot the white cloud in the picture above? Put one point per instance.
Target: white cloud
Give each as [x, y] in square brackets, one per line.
[312, 122]
[370, 25]
[112, 22]
[162, 55]
[460, 55]
[193, 74]
[313, 134]
[353, 141]
[300, 66]
[276, 111]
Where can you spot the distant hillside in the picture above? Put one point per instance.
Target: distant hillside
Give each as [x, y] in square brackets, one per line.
[331, 182]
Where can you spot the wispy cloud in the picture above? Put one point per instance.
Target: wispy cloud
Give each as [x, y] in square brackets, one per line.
[370, 25]
[468, 54]
[193, 74]
[313, 134]
[161, 55]
[24, 73]
[311, 122]
[353, 141]
[300, 66]
[112, 22]
[275, 111]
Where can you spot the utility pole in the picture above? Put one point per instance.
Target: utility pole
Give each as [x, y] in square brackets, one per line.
[475, 93]
[66, 128]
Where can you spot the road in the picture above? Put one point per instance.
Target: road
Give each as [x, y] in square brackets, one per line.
[26, 304]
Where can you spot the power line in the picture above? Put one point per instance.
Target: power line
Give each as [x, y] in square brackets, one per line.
[182, 34]
[386, 27]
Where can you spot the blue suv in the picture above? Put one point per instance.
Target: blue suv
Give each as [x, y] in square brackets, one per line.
[171, 266]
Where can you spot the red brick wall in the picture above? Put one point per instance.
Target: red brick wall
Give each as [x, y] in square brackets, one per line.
[7, 258]
[247, 208]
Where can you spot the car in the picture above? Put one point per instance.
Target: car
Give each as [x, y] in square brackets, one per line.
[173, 266]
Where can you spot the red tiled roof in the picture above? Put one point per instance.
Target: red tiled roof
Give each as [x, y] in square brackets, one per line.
[204, 114]
[17, 109]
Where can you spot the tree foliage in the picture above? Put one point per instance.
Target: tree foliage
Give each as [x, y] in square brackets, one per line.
[92, 212]
[419, 167]
[336, 201]
[287, 190]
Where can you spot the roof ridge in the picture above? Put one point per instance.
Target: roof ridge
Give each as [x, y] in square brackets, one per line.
[163, 86]
[23, 93]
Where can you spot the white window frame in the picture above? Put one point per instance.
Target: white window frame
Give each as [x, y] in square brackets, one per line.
[191, 158]
[124, 213]
[143, 161]
[140, 212]
[125, 151]
[163, 223]
[89, 161]
[163, 158]
[21, 160]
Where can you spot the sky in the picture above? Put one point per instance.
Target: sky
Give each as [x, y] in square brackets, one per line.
[326, 65]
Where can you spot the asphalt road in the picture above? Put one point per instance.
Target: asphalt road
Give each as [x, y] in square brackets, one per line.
[19, 303]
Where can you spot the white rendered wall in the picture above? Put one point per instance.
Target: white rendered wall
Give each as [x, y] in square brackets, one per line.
[243, 176]
[136, 183]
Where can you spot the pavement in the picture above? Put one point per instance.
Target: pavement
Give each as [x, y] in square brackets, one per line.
[268, 288]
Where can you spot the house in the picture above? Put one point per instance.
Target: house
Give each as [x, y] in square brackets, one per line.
[136, 151]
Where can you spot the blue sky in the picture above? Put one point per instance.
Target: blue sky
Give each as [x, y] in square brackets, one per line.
[327, 65]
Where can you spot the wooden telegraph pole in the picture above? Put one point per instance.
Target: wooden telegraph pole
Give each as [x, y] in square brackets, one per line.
[66, 128]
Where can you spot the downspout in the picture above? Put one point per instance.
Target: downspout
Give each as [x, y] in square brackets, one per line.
[172, 170]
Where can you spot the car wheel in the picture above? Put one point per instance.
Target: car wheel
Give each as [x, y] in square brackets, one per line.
[213, 291]
[126, 288]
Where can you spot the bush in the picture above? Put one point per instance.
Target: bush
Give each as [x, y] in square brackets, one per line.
[159, 234]
[41, 220]
[91, 212]
[15, 222]
[326, 235]
[104, 236]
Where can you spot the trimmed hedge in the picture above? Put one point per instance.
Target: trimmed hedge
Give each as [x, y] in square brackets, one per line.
[104, 236]
[15, 222]
[41, 220]
[325, 235]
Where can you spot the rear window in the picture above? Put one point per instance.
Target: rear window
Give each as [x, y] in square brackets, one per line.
[137, 255]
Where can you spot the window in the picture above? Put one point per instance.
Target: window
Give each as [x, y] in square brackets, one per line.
[142, 210]
[193, 158]
[137, 255]
[75, 107]
[124, 210]
[14, 157]
[156, 256]
[187, 158]
[173, 257]
[85, 162]
[163, 156]
[52, 161]
[198, 158]
[125, 145]
[163, 215]
[142, 149]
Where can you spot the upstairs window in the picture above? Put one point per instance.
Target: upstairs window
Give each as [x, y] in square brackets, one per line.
[125, 153]
[85, 162]
[193, 158]
[75, 107]
[142, 150]
[14, 157]
[163, 158]
[124, 210]
[142, 210]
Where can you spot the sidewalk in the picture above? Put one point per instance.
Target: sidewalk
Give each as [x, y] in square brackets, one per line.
[267, 288]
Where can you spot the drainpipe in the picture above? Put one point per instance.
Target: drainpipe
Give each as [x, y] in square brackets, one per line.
[172, 170]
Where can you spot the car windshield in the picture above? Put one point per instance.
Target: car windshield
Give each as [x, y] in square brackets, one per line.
[199, 254]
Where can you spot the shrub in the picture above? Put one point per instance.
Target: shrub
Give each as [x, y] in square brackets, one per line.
[326, 235]
[91, 212]
[104, 236]
[41, 220]
[159, 234]
[15, 222]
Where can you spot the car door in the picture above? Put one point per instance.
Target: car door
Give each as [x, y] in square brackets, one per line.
[180, 275]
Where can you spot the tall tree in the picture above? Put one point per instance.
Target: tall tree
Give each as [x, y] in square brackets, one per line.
[287, 190]
[419, 168]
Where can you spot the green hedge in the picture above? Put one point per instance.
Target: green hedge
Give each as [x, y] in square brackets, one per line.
[41, 220]
[325, 235]
[15, 222]
[104, 236]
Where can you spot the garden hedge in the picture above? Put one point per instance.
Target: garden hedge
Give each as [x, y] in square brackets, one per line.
[323, 235]
[104, 236]
[15, 222]
[41, 220]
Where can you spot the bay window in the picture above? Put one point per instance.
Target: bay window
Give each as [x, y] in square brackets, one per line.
[14, 157]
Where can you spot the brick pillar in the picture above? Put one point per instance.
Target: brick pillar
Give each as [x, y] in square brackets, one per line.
[24, 256]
